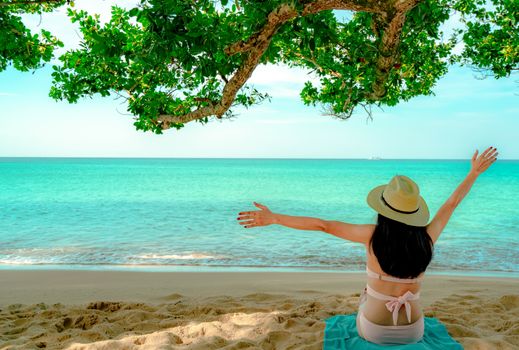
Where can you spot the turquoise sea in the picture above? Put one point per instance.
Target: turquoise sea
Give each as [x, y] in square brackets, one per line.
[180, 214]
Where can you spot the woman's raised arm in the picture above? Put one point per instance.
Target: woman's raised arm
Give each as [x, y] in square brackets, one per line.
[479, 165]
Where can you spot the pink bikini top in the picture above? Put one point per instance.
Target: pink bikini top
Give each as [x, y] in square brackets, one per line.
[392, 279]
[394, 303]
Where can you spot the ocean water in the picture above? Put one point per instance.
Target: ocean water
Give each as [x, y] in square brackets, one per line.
[180, 214]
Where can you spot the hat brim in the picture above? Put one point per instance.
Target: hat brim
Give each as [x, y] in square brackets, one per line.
[420, 218]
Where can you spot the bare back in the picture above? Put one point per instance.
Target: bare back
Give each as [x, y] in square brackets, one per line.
[374, 309]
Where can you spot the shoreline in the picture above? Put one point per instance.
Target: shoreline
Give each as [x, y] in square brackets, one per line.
[88, 310]
[193, 268]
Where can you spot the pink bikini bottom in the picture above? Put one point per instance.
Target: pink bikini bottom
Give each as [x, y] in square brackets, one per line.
[403, 334]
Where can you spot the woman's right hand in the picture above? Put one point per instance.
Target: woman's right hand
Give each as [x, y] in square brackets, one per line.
[485, 159]
[262, 217]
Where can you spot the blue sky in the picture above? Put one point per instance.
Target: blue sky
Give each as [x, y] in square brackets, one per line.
[466, 113]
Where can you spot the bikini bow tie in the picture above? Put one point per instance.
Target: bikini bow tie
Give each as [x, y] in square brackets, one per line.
[395, 305]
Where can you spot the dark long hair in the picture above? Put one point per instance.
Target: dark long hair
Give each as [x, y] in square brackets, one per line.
[402, 250]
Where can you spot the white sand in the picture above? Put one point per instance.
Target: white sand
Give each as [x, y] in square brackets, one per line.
[222, 310]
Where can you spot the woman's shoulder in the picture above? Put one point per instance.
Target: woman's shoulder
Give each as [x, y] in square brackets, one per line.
[366, 232]
[370, 228]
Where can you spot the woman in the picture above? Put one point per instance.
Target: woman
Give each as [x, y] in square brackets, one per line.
[398, 248]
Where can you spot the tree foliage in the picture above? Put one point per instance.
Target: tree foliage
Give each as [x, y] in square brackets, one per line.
[20, 47]
[178, 61]
[491, 36]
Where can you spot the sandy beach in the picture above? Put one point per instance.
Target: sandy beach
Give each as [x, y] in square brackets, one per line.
[54, 309]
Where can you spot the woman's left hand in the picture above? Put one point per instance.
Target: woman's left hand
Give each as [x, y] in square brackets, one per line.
[262, 217]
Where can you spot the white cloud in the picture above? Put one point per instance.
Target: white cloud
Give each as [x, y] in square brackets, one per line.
[104, 7]
[282, 81]
[58, 23]
[277, 91]
[269, 74]
[451, 24]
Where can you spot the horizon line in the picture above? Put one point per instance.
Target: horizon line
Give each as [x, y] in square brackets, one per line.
[265, 158]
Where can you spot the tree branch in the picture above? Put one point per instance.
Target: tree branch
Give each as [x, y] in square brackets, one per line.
[275, 19]
[311, 8]
[387, 49]
[391, 15]
[313, 61]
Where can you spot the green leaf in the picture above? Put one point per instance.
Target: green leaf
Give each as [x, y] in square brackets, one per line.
[170, 55]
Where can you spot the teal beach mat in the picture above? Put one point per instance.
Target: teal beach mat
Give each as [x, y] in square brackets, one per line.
[340, 333]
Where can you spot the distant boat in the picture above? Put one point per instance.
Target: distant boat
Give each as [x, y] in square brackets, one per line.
[374, 158]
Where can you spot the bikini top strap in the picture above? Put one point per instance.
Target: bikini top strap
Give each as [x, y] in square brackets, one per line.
[408, 295]
[392, 279]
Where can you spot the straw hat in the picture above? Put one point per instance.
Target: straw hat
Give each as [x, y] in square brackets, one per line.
[400, 200]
